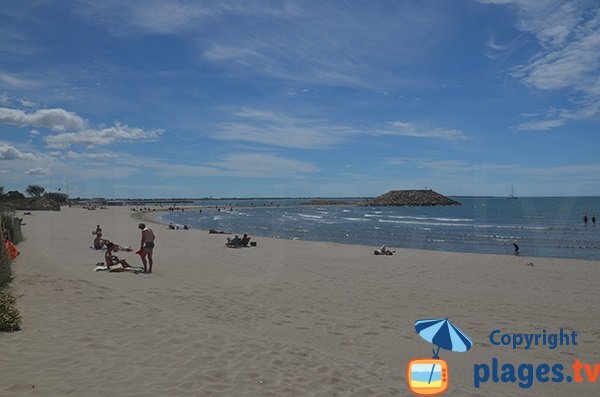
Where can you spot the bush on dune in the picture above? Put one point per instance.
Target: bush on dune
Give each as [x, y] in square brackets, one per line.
[10, 319]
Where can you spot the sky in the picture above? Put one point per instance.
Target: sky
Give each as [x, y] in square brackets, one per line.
[157, 99]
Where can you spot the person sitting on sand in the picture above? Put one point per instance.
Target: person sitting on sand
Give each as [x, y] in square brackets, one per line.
[383, 251]
[245, 240]
[99, 242]
[171, 226]
[234, 242]
[113, 260]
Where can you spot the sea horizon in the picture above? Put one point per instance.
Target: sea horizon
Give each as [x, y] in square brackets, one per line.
[308, 197]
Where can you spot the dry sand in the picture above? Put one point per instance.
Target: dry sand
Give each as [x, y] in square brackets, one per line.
[287, 318]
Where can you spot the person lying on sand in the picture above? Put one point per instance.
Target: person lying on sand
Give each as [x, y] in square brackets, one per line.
[383, 251]
[118, 248]
[213, 231]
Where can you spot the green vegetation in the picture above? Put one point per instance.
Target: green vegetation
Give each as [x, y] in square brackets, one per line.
[10, 319]
[39, 199]
[35, 190]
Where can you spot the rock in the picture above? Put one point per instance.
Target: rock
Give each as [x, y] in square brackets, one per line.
[410, 198]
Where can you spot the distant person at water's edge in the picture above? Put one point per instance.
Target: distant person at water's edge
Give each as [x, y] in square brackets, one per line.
[146, 247]
[516, 248]
[585, 219]
[593, 219]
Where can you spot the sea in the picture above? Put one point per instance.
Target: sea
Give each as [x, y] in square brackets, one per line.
[541, 226]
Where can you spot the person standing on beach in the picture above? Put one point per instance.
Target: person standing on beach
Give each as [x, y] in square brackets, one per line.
[585, 219]
[146, 247]
[593, 219]
[516, 248]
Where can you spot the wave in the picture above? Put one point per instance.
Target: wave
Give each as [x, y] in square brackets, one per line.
[357, 219]
[435, 219]
[424, 223]
[311, 216]
[464, 225]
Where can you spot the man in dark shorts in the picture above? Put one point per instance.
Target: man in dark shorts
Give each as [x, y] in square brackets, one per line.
[146, 247]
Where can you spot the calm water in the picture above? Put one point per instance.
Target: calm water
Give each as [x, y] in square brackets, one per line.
[546, 227]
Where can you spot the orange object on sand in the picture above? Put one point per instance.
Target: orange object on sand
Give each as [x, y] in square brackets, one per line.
[11, 250]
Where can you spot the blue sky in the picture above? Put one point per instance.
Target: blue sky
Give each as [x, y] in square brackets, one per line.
[307, 98]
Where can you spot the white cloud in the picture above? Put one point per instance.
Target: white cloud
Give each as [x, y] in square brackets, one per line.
[177, 16]
[17, 82]
[90, 156]
[323, 43]
[225, 53]
[103, 136]
[53, 119]
[38, 171]
[400, 128]
[283, 130]
[27, 103]
[277, 129]
[251, 165]
[8, 152]
[569, 56]
[263, 165]
[171, 17]
[541, 125]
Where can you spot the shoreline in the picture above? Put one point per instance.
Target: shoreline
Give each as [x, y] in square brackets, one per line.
[151, 216]
[288, 317]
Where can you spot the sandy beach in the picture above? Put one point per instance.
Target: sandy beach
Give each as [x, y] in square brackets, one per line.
[285, 318]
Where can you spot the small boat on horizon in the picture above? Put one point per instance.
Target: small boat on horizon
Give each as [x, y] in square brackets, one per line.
[512, 193]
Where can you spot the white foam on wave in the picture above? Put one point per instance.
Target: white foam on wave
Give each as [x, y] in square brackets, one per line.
[409, 222]
[357, 219]
[432, 218]
[311, 216]
[373, 216]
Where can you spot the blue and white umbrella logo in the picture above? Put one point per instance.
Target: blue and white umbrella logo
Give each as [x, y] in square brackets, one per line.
[442, 333]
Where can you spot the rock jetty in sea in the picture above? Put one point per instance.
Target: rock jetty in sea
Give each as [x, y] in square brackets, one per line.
[411, 198]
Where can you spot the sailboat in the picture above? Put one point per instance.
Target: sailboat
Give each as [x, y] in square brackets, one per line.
[512, 193]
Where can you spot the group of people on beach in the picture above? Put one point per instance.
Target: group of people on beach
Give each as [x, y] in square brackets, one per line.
[177, 227]
[115, 264]
[585, 219]
[238, 242]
